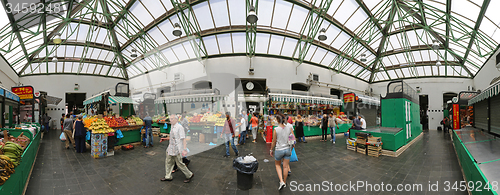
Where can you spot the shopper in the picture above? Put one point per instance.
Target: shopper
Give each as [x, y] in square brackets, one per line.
[255, 126]
[299, 129]
[46, 121]
[185, 122]
[332, 124]
[68, 131]
[176, 148]
[80, 134]
[324, 128]
[62, 122]
[243, 130]
[228, 134]
[363, 122]
[282, 150]
[26, 118]
[147, 124]
[289, 125]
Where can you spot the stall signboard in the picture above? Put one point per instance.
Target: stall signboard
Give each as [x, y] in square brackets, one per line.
[2, 92]
[349, 97]
[24, 93]
[456, 116]
[12, 96]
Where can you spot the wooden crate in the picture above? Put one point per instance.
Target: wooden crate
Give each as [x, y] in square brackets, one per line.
[353, 148]
[374, 139]
[374, 153]
[361, 151]
[374, 148]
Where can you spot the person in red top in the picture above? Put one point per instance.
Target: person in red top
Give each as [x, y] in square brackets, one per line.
[228, 133]
[255, 126]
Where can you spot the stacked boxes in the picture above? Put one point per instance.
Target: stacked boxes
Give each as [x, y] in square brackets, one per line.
[351, 144]
[99, 145]
[374, 146]
[361, 145]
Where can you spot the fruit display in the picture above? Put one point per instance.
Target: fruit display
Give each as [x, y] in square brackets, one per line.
[89, 120]
[207, 117]
[13, 151]
[134, 121]
[21, 140]
[220, 122]
[121, 122]
[195, 119]
[161, 119]
[6, 168]
[100, 126]
[115, 122]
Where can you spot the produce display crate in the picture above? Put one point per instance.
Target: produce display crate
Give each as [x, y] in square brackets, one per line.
[361, 150]
[353, 148]
[162, 129]
[130, 135]
[17, 182]
[374, 151]
[392, 140]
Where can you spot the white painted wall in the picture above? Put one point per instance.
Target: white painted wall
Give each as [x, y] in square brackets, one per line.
[59, 85]
[8, 77]
[487, 73]
[434, 88]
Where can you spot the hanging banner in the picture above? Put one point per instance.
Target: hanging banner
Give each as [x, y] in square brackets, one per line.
[24, 93]
[456, 116]
[349, 97]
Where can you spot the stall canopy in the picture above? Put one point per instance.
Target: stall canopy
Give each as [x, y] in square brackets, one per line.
[121, 100]
[491, 91]
[9, 95]
[369, 100]
[304, 99]
[92, 100]
[53, 100]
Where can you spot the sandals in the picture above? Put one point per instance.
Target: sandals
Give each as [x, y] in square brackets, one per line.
[165, 179]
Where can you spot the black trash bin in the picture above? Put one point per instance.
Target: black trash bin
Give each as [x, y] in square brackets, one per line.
[244, 172]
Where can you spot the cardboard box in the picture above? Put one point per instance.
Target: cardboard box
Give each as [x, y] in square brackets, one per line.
[375, 139]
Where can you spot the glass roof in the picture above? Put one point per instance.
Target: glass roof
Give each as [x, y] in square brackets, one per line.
[395, 36]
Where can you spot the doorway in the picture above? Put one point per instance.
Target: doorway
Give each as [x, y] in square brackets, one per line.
[74, 102]
[424, 106]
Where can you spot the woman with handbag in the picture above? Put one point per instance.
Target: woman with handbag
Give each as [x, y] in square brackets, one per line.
[79, 134]
[282, 148]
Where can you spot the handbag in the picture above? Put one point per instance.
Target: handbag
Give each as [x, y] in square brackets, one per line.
[294, 158]
[291, 138]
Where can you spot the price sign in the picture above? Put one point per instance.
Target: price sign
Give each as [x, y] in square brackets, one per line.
[24, 93]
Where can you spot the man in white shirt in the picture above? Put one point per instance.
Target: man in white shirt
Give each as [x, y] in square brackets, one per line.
[176, 147]
[363, 122]
[243, 128]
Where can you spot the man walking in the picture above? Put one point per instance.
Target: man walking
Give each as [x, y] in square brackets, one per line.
[243, 128]
[176, 147]
[46, 121]
[149, 131]
[332, 124]
[228, 133]
[68, 131]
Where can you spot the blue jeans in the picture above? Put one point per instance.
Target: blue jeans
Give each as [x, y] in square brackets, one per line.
[282, 154]
[47, 127]
[149, 137]
[332, 132]
[229, 138]
[303, 138]
[243, 137]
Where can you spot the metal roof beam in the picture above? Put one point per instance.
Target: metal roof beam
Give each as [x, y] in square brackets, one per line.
[15, 29]
[86, 44]
[480, 17]
[112, 32]
[122, 13]
[63, 23]
[412, 48]
[80, 60]
[242, 28]
[382, 45]
[422, 63]
[369, 13]
[405, 29]
[433, 33]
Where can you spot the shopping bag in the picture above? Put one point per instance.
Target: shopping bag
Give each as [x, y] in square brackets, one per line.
[165, 126]
[119, 134]
[62, 137]
[294, 158]
[87, 137]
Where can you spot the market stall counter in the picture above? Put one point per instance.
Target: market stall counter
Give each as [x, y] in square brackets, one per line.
[393, 138]
[131, 134]
[17, 182]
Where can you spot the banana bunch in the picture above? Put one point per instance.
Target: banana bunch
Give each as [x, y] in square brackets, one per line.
[6, 168]
[13, 151]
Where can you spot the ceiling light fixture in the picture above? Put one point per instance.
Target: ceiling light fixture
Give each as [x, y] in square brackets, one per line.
[363, 58]
[57, 38]
[252, 16]
[134, 53]
[435, 44]
[177, 30]
[438, 63]
[322, 34]
[54, 59]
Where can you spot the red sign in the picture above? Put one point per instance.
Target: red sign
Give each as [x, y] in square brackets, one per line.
[456, 116]
[349, 97]
[24, 93]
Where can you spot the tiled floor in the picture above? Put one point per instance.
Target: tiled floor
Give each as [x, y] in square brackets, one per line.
[60, 171]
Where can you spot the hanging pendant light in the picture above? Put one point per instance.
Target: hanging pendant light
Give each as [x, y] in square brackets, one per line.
[177, 30]
[438, 63]
[57, 38]
[322, 34]
[134, 53]
[363, 58]
[252, 16]
[435, 44]
[54, 59]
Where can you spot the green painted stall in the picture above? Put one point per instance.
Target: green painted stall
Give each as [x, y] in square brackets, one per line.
[391, 140]
[18, 181]
[129, 136]
[162, 129]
